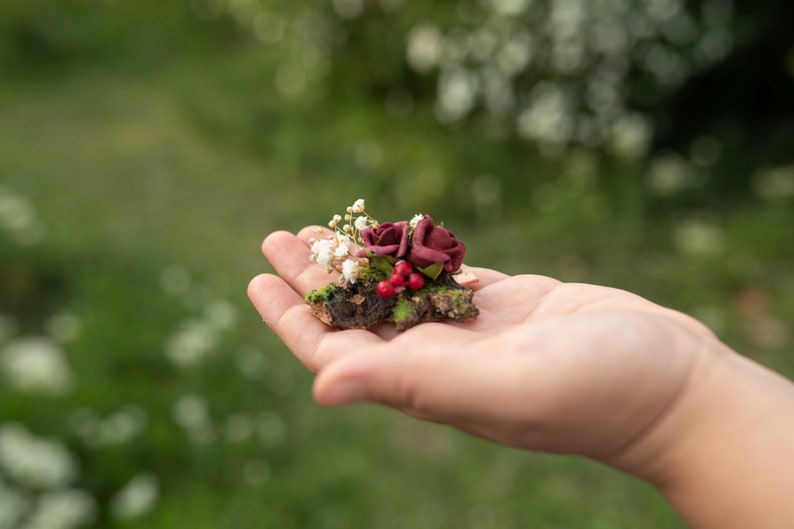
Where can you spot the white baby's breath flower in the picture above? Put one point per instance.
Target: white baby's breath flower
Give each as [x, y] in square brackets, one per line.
[334, 221]
[350, 270]
[361, 223]
[358, 206]
[342, 249]
[322, 252]
[415, 220]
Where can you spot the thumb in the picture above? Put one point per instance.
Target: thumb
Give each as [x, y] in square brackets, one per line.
[445, 386]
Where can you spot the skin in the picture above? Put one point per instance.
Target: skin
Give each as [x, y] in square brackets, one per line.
[564, 368]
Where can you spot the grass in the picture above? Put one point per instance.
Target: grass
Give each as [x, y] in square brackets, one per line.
[156, 184]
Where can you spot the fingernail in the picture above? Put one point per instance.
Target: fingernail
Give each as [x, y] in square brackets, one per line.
[343, 393]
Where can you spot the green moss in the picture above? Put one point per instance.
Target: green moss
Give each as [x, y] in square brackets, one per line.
[323, 295]
[370, 273]
[404, 311]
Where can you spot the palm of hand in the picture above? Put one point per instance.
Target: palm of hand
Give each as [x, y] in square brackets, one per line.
[546, 366]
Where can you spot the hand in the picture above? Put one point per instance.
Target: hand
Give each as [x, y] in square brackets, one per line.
[546, 366]
[567, 368]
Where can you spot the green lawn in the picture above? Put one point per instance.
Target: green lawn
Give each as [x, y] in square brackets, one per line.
[151, 187]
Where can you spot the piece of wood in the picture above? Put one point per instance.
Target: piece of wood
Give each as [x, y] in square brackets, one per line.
[358, 306]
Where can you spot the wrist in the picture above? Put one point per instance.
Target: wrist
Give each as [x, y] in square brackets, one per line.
[723, 454]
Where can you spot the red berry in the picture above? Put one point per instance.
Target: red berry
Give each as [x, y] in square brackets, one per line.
[416, 281]
[385, 289]
[397, 280]
[404, 268]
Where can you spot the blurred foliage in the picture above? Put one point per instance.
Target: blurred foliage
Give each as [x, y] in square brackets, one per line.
[146, 147]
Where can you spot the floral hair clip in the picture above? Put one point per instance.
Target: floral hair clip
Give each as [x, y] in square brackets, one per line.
[406, 272]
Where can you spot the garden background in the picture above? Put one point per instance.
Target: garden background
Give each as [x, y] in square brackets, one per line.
[147, 147]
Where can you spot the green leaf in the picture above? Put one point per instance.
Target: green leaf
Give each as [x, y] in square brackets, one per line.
[432, 271]
[384, 263]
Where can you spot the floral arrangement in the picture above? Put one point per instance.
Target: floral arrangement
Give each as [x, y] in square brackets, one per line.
[397, 271]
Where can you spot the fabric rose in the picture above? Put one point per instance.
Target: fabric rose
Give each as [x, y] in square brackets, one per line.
[433, 244]
[390, 238]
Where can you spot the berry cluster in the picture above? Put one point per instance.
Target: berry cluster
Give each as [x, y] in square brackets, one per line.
[403, 275]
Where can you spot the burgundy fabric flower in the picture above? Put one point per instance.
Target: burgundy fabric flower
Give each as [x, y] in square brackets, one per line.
[390, 238]
[432, 244]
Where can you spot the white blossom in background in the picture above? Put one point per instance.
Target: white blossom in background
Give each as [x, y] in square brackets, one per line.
[19, 219]
[13, 506]
[220, 313]
[61, 509]
[457, 94]
[36, 364]
[510, 7]
[138, 497]
[119, 427]
[498, 55]
[191, 414]
[698, 237]
[348, 8]
[630, 136]
[669, 173]
[774, 183]
[424, 47]
[548, 119]
[192, 343]
[33, 461]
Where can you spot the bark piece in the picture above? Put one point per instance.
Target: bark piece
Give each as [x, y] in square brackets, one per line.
[358, 306]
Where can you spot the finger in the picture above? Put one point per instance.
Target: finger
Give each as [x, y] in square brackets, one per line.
[313, 232]
[289, 255]
[439, 383]
[476, 278]
[313, 343]
[514, 298]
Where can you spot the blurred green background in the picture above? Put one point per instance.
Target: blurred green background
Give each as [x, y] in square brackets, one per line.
[147, 147]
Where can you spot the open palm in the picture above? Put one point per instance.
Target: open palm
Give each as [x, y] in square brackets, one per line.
[550, 366]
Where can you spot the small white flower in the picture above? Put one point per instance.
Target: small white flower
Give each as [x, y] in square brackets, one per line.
[358, 206]
[415, 220]
[342, 246]
[350, 270]
[322, 252]
[361, 223]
